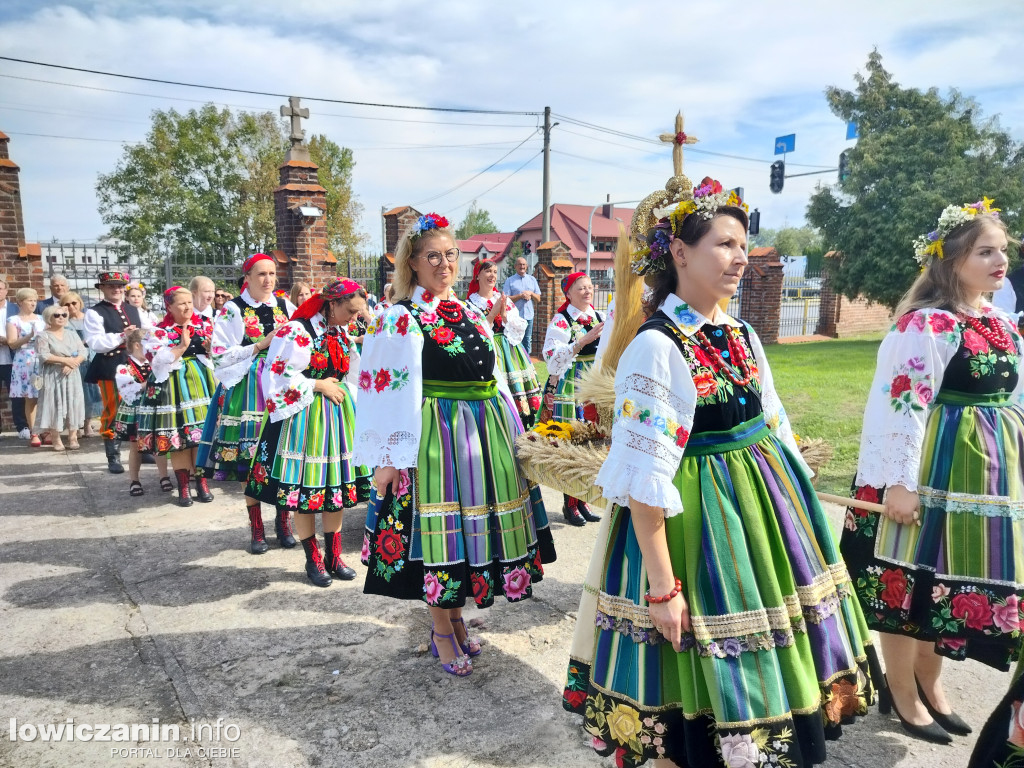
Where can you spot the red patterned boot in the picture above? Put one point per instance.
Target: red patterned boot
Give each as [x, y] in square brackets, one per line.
[315, 568]
[332, 556]
[258, 545]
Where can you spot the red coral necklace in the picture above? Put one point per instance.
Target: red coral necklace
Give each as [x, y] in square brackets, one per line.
[995, 335]
[735, 352]
[449, 310]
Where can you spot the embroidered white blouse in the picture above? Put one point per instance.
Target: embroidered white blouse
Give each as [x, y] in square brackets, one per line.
[560, 337]
[388, 420]
[515, 325]
[912, 359]
[129, 388]
[231, 358]
[653, 376]
[159, 349]
[284, 381]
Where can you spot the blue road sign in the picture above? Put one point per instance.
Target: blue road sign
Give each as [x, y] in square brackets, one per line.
[851, 131]
[784, 144]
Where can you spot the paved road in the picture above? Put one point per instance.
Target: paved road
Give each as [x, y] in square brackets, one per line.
[120, 611]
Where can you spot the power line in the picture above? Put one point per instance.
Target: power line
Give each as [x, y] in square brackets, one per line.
[139, 78]
[70, 138]
[485, 170]
[487, 191]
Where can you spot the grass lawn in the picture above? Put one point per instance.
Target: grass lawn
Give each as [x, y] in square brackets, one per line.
[824, 386]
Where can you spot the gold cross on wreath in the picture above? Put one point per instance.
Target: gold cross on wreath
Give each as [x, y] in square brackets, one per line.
[678, 139]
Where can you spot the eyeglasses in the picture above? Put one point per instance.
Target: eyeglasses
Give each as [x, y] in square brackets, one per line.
[434, 257]
[71, 304]
[59, 314]
[220, 295]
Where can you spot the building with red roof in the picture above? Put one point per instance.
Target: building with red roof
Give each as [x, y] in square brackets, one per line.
[569, 224]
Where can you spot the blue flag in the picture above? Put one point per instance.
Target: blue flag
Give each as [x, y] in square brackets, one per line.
[784, 144]
[851, 131]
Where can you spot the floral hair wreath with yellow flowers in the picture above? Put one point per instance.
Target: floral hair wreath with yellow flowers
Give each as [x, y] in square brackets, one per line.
[708, 197]
[952, 216]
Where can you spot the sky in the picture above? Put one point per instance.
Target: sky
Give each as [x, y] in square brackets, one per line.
[742, 74]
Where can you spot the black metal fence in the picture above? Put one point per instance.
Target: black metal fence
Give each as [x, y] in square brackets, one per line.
[80, 263]
[801, 304]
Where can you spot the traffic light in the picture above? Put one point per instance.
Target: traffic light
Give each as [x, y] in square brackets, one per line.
[778, 176]
[527, 248]
[844, 165]
[755, 223]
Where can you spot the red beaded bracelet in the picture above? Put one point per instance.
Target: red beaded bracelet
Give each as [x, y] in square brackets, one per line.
[665, 598]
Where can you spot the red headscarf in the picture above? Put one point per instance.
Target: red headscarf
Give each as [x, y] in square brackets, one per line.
[474, 284]
[342, 288]
[250, 263]
[567, 282]
[168, 320]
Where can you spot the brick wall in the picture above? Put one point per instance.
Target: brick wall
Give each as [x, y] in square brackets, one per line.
[761, 293]
[397, 222]
[301, 241]
[840, 317]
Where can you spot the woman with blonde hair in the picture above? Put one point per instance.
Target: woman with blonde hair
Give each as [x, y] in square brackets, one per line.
[22, 330]
[456, 518]
[61, 399]
[300, 293]
[75, 306]
[939, 573]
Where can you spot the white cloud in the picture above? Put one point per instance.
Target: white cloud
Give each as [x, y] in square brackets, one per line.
[742, 76]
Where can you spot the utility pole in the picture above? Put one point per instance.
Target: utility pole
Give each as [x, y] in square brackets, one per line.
[383, 230]
[546, 227]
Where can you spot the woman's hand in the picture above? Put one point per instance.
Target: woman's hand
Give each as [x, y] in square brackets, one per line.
[902, 506]
[671, 619]
[383, 477]
[591, 336]
[66, 370]
[498, 309]
[329, 388]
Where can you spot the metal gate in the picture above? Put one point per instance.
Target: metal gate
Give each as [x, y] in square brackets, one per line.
[801, 305]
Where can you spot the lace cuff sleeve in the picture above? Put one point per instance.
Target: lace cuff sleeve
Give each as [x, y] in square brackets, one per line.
[558, 351]
[515, 325]
[887, 460]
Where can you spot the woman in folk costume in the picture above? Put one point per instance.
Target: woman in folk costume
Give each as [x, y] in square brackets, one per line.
[1000, 743]
[131, 378]
[508, 328]
[242, 332]
[303, 460]
[457, 518]
[718, 624]
[940, 573]
[570, 345]
[176, 400]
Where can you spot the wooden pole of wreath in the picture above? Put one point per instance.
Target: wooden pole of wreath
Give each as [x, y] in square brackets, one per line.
[845, 501]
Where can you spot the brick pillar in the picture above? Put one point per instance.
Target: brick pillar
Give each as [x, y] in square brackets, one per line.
[21, 263]
[828, 311]
[761, 300]
[397, 222]
[553, 263]
[302, 240]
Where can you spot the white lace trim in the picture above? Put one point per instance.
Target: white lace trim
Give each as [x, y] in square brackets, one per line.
[400, 449]
[232, 366]
[890, 459]
[645, 385]
[620, 482]
[282, 412]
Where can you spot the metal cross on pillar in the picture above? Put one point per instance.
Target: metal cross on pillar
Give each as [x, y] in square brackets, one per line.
[296, 113]
[677, 139]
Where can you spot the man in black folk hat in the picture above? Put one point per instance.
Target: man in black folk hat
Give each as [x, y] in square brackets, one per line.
[106, 325]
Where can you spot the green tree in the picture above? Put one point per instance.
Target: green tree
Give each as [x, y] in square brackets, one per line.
[917, 153]
[201, 187]
[477, 222]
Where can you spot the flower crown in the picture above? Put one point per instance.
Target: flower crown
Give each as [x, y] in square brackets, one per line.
[427, 222]
[707, 198]
[952, 216]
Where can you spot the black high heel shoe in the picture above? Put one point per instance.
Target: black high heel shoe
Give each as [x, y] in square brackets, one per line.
[932, 732]
[951, 722]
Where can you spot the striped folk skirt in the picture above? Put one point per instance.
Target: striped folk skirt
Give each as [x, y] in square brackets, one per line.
[957, 579]
[521, 377]
[304, 463]
[171, 414]
[466, 522]
[779, 654]
[125, 426]
[566, 407]
[232, 428]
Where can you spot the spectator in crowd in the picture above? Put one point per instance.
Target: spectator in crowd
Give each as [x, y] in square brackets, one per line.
[203, 294]
[22, 329]
[524, 290]
[58, 288]
[9, 309]
[135, 294]
[220, 298]
[61, 353]
[76, 322]
[299, 293]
